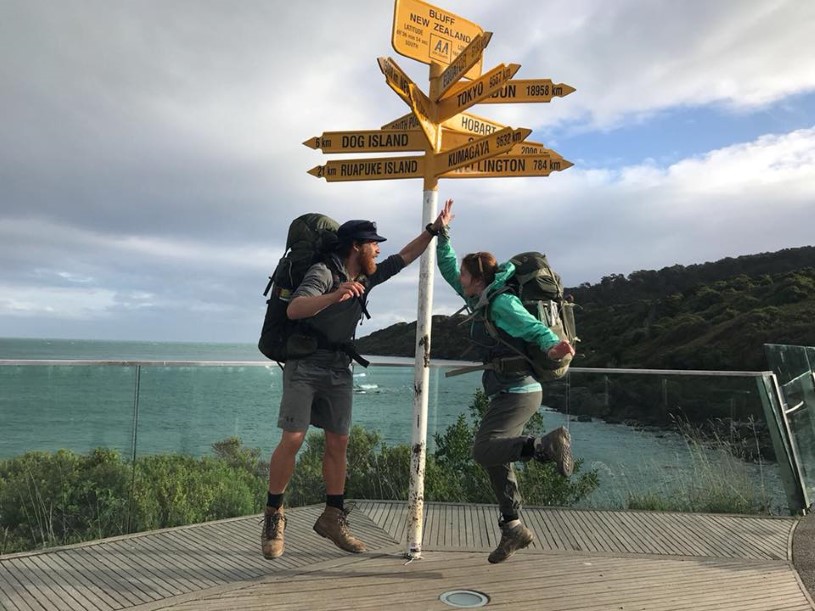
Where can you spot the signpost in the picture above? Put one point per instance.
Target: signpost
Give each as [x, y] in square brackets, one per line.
[369, 141]
[396, 78]
[429, 34]
[478, 149]
[472, 124]
[511, 165]
[382, 168]
[522, 91]
[483, 87]
[468, 58]
[452, 139]
[455, 144]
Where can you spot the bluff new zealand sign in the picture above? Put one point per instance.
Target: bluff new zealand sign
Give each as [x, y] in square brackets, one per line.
[427, 34]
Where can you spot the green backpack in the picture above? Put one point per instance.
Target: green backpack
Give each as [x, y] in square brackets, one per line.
[310, 237]
[540, 290]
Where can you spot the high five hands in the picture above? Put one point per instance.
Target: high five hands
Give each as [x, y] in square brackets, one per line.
[445, 216]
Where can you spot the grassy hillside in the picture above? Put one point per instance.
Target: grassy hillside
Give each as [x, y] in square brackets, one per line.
[709, 316]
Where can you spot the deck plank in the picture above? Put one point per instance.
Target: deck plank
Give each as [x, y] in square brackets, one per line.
[581, 560]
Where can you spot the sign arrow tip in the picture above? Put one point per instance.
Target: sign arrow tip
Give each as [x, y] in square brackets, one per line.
[567, 89]
[317, 171]
[312, 143]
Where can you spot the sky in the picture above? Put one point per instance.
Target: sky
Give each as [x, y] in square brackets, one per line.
[151, 152]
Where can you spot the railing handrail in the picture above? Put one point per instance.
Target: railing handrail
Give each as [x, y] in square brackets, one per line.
[383, 363]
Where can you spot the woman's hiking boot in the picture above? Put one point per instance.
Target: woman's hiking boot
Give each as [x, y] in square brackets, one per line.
[271, 538]
[333, 525]
[513, 538]
[556, 446]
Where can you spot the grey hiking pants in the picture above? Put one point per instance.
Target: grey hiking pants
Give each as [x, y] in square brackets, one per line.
[498, 443]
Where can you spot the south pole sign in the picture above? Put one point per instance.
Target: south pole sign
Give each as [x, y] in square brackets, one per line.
[451, 142]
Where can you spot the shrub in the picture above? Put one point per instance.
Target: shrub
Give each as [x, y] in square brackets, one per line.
[62, 497]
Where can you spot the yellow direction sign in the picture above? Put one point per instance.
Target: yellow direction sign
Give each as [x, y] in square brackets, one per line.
[451, 75]
[424, 111]
[369, 141]
[462, 122]
[466, 122]
[533, 148]
[481, 148]
[520, 91]
[474, 92]
[381, 168]
[396, 78]
[451, 139]
[511, 165]
[408, 121]
[428, 34]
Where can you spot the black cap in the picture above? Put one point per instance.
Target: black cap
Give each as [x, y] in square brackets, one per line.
[360, 231]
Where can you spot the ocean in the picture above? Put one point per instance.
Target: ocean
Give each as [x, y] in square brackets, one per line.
[154, 405]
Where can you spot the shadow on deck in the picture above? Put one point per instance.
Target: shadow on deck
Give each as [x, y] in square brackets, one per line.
[581, 559]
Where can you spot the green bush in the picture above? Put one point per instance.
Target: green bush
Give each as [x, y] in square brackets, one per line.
[378, 471]
[62, 497]
[59, 498]
[174, 490]
[456, 477]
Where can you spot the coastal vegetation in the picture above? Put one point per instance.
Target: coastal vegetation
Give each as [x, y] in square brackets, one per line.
[59, 498]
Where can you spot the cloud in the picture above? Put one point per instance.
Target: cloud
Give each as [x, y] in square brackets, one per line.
[151, 156]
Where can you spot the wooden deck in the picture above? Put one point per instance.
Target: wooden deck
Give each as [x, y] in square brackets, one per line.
[581, 560]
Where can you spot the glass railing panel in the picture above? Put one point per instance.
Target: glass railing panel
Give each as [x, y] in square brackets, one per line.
[789, 362]
[186, 409]
[686, 443]
[627, 429]
[793, 367]
[73, 407]
[384, 401]
[66, 444]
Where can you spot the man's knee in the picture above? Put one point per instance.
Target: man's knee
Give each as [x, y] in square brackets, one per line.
[291, 441]
[336, 444]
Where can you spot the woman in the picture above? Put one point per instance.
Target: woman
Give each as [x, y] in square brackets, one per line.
[515, 396]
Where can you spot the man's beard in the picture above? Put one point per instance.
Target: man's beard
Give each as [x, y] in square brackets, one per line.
[368, 264]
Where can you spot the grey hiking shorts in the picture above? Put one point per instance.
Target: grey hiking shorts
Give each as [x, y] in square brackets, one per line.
[316, 392]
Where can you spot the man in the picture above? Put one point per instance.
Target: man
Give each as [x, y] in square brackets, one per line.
[318, 388]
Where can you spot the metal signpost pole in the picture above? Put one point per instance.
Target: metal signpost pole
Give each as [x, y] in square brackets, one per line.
[421, 366]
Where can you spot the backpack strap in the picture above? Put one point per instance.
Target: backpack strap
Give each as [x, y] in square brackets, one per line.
[504, 364]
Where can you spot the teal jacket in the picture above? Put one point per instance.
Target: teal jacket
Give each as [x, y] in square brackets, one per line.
[507, 313]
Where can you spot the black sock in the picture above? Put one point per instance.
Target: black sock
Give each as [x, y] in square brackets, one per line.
[508, 517]
[274, 500]
[528, 451]
[335, 500]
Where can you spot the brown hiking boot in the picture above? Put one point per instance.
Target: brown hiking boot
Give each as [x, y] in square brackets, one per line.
[556, 446]
[512, 539]
[333, 524]
[271, 538]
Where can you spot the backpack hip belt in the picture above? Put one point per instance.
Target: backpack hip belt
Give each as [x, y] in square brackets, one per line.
[504, 365]
[346, 347]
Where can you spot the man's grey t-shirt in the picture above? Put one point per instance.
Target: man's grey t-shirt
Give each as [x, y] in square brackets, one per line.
[337, 323]
[319, 280]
